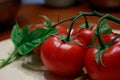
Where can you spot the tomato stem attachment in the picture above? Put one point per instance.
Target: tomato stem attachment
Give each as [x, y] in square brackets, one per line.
[86, 22]
[71, 25]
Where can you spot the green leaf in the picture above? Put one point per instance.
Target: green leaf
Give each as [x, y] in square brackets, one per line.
[16, 36]
[36, 33]
[84, 26]
[24, 33]
[27, 47]
[25, 41]
[104, 28]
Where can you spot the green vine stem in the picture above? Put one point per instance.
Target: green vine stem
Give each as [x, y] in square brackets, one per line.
[64, 20]
[102, 44]
[70, 29]
[73, 19]
[86, 22]
[109, 17]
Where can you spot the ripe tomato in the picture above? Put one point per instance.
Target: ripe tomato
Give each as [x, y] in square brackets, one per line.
[63, 58]
[110, 58]
[75, 31]
[62, 30]
[87, 34]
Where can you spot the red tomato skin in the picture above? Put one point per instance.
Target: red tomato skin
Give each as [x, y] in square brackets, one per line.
[108, 37]
[111, 59]
[62, 30]
[62, 58]
[76, 30]
[37, 49]
[85, 33]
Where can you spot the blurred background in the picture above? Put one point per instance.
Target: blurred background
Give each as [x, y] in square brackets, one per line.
[29, 11]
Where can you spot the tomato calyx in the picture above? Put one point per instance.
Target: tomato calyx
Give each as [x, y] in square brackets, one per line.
[86, 25]
[71, 40]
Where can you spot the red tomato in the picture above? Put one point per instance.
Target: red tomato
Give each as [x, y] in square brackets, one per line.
[63, 58]
[84, 33]
[76, 30]
[62, 30]
[37, 49]
[110, 58]
[87, 34]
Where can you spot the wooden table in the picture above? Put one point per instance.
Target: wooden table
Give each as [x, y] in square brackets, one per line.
[30, 14]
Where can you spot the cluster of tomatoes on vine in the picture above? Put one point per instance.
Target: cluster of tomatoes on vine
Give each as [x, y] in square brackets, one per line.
[66, 52]
[93, 46]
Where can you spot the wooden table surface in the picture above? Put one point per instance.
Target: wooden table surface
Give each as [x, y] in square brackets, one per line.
[30, 14]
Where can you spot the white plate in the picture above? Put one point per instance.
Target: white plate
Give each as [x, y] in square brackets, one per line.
[25, 68]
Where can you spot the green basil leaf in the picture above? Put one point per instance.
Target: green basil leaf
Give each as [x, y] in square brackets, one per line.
[16, 35]
[24, 33]
[36, 34]
[27, 47]
[104, 28]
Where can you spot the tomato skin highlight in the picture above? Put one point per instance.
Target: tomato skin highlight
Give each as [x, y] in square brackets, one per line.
[110, 58]
[62, 58]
